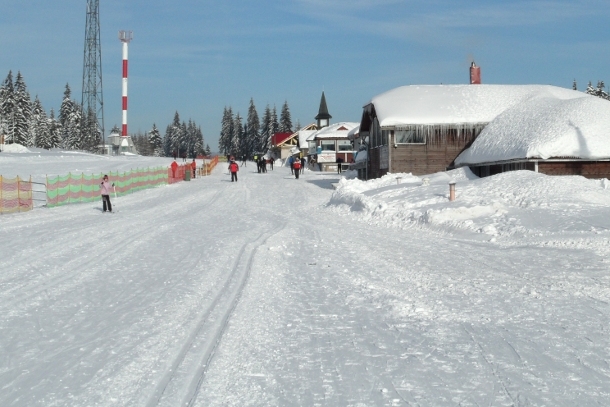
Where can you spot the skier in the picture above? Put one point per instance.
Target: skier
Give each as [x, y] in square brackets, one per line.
[105, 192]
[233, 168]
[291, 163]
[194, 168]
[271, 162]
[297, 167]
[302, 164]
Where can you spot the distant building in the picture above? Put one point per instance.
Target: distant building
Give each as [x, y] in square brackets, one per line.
[121, 145]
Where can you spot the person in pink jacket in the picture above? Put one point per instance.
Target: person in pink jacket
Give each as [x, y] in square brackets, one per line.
[105, 191]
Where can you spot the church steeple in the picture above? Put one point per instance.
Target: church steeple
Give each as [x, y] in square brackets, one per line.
[323, 117]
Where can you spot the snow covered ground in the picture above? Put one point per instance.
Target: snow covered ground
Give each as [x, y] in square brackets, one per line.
[274, 291]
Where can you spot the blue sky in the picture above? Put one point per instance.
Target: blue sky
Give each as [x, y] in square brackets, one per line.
[196, 57]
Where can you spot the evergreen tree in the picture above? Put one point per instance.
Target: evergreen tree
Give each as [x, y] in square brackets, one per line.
[252, 132]
[39, 126]
[70, 119]
[273, 128]
[265, 130]
[237, 136]
[175, 135]
[226, 132]
[574, 87]
[208, 150]
[199, 150]
[285, 125]
[54, 131]
[154, 137]
[7, 108]
[22, 113]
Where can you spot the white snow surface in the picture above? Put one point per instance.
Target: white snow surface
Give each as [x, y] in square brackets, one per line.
[457, 104]
[545, 127]
[274, 291]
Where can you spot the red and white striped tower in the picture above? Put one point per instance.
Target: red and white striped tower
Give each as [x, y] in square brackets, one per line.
[125, 37]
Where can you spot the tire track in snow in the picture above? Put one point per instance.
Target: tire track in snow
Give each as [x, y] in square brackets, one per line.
[182, 382]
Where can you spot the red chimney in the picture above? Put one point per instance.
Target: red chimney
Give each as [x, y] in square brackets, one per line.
[475, 74]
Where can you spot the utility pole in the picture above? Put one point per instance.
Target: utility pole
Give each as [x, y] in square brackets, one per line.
[93, 97]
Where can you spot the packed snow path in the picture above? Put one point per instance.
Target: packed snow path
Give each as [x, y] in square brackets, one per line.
[210, 293]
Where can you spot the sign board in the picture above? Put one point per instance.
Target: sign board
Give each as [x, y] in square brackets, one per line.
[327, 157]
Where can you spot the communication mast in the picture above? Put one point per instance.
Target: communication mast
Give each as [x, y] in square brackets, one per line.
[92, 101]
[125, 37]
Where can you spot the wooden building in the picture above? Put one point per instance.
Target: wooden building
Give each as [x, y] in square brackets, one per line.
[422, 129]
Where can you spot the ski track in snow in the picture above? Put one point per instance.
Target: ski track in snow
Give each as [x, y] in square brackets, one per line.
[211, 293]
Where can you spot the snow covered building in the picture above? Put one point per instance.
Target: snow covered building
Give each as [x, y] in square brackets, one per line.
[422, 129]
[330, 144]
[545, 134]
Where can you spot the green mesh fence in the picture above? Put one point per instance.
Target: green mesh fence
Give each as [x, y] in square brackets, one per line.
[76, 188]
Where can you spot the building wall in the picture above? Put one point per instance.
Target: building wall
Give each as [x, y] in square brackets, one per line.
[436, 155]
[588, 169]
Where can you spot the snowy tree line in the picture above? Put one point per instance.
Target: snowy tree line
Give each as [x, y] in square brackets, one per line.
[25, 122]
[240, 138]
[599, 91]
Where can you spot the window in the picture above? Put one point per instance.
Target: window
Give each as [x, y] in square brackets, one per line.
[409, 137]
[344, 145]
[328, 145]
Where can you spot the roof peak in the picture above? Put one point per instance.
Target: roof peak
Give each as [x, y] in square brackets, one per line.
[323, 111]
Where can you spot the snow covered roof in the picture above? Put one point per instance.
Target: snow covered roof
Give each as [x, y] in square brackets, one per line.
[544, 127]
[337, 130]
[455, 104]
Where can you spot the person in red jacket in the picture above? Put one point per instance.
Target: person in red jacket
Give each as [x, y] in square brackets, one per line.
[297, 167]
[174, 167]
[233, 168]
[194, 167]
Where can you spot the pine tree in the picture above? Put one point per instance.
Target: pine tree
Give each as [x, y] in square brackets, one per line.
[54, 131]
[22, 113]
[265, 130]
[273, 128]
[285, 125]
[7, 107]
[226, 132]
[252, 133]
[208, 150]
[574, 87]
[154, 137]
[70, 118]
[39, 126]
[199, 150]
[175, 135]
[237, 136]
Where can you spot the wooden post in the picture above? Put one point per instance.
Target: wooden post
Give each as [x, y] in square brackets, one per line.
[452, 191]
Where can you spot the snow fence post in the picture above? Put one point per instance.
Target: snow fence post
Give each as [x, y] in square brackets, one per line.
[452, 190]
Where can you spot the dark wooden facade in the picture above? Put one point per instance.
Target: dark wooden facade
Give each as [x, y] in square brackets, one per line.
[430, 148]
[585, 168]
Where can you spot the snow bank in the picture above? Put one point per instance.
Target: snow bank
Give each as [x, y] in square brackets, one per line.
[14, 148]
[519, 202]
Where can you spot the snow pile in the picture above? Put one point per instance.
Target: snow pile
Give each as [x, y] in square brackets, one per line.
[545, 127]
[519, 202]
[453, 104]
[14, 148]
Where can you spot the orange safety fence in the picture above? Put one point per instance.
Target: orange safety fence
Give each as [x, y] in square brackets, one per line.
[208, 165]
[178, 175]
[15, 195]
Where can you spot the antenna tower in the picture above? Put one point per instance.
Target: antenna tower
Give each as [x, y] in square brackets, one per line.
[93, 98]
